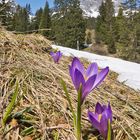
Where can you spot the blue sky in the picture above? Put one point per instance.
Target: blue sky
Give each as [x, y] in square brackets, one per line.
[35, 4]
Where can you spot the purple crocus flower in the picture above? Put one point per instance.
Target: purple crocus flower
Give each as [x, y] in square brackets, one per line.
[88, 79]
[100, 118]
[56, 56]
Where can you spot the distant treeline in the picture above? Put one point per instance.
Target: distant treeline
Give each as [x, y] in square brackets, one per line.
[20, 19]
[121, 32]
[65, 21]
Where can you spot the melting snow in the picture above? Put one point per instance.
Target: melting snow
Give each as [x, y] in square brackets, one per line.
[129, 72]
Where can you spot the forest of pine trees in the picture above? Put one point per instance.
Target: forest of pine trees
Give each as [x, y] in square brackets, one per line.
[121, 32]
[20, 19]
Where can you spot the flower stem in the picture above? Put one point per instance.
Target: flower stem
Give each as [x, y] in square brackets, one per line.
[78, 124]
[69, 101]
[109, 130]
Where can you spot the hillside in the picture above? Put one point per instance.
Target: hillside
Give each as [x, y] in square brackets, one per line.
[41, 110]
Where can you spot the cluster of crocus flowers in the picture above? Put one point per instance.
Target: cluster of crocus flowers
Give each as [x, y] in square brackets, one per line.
[101, 119]
[86, 79]
[56, 56]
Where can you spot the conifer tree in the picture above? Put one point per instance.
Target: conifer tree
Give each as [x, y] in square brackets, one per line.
[28, 8]
[129, 43]
[104, 26]
[21, 19]
[100, 29]
[110, 40]
[120, 25]
[3, 12]
[25, 20]
[6, 13]
[35, 21]
[69, 24]
[38, 16]
[45, 22]
[137, 21]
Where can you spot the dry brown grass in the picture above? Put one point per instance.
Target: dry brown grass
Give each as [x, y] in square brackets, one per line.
[41, 96]
[100, 49]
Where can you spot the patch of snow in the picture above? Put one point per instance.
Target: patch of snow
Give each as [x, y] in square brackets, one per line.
[6, 1]
[31, 17]
[129, 72]
[91, 7]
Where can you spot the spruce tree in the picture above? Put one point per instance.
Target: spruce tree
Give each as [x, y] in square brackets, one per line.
[109, 26]
[120, 25]
[100, 28]
[45, 22]
[130, 40]
[38, 18]
[21, 19]
[28, 8]
[105, 24]
[3, 12]
[25, 19]
[70, 24]
[6, 13]
[35, 21]
[137, 21]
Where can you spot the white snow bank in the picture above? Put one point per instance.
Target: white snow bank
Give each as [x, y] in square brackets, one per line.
[129, 72]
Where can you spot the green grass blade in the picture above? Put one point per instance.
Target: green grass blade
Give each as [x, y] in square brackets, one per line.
[78, 119]
[56, 136]
[28, 131]
[20, 113]
[10, 106]
[109, 130]
[69, 100]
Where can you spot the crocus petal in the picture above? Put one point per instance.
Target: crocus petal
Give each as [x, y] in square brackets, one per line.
[101, 76]
[106, 115]
[109, 112]
[98, 108]
[56, 56]
[103, 126]
[59, 54]
[76, 64]
[87, 87]
[78, 79]
[94, 120]
[51, 53]
[104, 107]
[92, 70]
[71, 71]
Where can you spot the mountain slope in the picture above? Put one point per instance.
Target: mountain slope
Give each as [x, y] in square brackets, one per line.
[90, 7]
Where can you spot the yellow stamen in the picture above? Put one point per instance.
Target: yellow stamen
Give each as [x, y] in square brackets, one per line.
[99, 117]
[85, 77]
